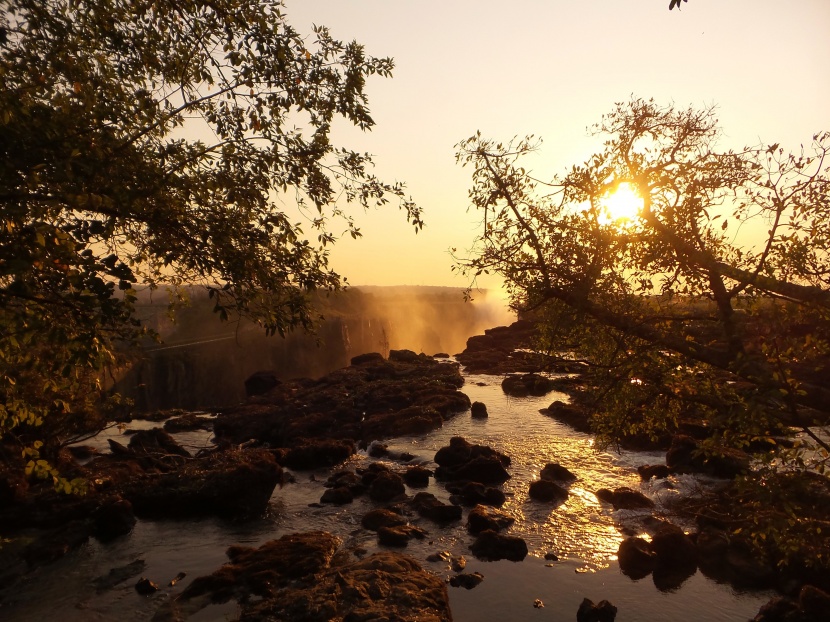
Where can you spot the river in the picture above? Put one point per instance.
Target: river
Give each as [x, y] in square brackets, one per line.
[582, 532]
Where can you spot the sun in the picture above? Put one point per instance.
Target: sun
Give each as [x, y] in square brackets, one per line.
[621, 206]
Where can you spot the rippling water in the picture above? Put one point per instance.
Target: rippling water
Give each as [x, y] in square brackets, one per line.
[582, 532]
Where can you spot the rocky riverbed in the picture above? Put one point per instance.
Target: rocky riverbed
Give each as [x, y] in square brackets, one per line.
[431, 513]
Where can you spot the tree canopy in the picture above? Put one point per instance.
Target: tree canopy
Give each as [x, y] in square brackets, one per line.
[160, 143]
[710, 302]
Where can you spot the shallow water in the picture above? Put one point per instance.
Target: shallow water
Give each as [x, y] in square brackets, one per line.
[582, 532]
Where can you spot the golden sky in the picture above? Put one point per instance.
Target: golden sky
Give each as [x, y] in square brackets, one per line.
[552, 68]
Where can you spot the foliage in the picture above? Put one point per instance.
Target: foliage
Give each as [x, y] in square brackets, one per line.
[156, 143]
[710, 305]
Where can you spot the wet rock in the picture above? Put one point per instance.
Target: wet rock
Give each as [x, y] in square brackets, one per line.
[636, 557]
[601, 612]
[188, 423]
[381, 517]
[685, 456]
[346, 479]
[369, 357]
[386, 486]
[298, 578]
[574, 415]
[156, 442]
[428, 506]
[484, 470]
[118, 575]
[538, 604]
[657, 471]
[112, 519]
[460, 451]
[412, 421]
[527, 384]
[482, 517]
[417, 476]
[337, 496]
[145, 587]
[440, 355]
[318, 453]
[261, 382]
[467, 581]
[555, 472]
[493, 546]
[624, 498]
[377, 449]
[814, 601]
[551, 556]
[399, 535]
[479, 410]
[472, 493]
[232, 484]
[673, 547]
[176, 579]
[546, 490]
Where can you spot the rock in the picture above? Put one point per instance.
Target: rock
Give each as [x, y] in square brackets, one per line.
[337, 496]
[188, 423]
[369, 357]
[119, 575]
[158, 443]
[657, 471]
[673, 547]
[417, 476]
[440, 355]
[318, 453]
[399, 535]
[555, 472]
[624, 498]
[492, 546]
[386, 486]
[479, 410]
[601, 612]
[428, 506]
[231, 484]
[145, 587]
[551, 556]
[377, 449]
[467, 581]
[261, 382]
[780, 609]
[546, 490]
[112, 519]
[381, 517]
[636, 557]
[814, 601]
[298, 578]
[473, 493]
[482, 517]
[527, 384]
[346, 479]
[572, 414]
[176, 579]
[538, 604]
[685, 456]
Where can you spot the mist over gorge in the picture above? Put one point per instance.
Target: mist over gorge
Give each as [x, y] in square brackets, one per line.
[202, 363]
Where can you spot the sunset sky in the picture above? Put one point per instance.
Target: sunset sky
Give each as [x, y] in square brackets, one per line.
[552, 68]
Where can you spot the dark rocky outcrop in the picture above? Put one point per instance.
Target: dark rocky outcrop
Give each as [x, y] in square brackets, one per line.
[636, 557]
[188, 423]
[574, 415]
[812, 605]
[467, 580]
[657, 471]
[235, 483]
[624, 498]
[428, 506]
[317, 453]
[386, 486]
[337, 496]
[546, 490]
[493, 546]
[112, 519]
[372, 399]
[482, 517]
[417, 476]
[494, 351]
[472, 493]
[479, 410]
[298, 577]
[260, 382]
[686, 456]
[382, 517]
[603, 611]
[399, 535]
[461, 460]
[555, 472]
[527, 384]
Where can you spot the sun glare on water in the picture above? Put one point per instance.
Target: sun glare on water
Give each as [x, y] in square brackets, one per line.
[622, 206]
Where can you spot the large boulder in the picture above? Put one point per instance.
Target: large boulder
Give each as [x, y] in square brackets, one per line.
[573, 414]
[233, 484]
[386, 486]
[261, 382]
[298, 577]
[527, 384]
[428, 506]
[625, 498]
[482, 517]
[603, 611]
[546, 490]
[473, 493]
[493, 546]
[636, 557]
[317, 453]
[555, 472]
[382, 517]
[461, 460]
